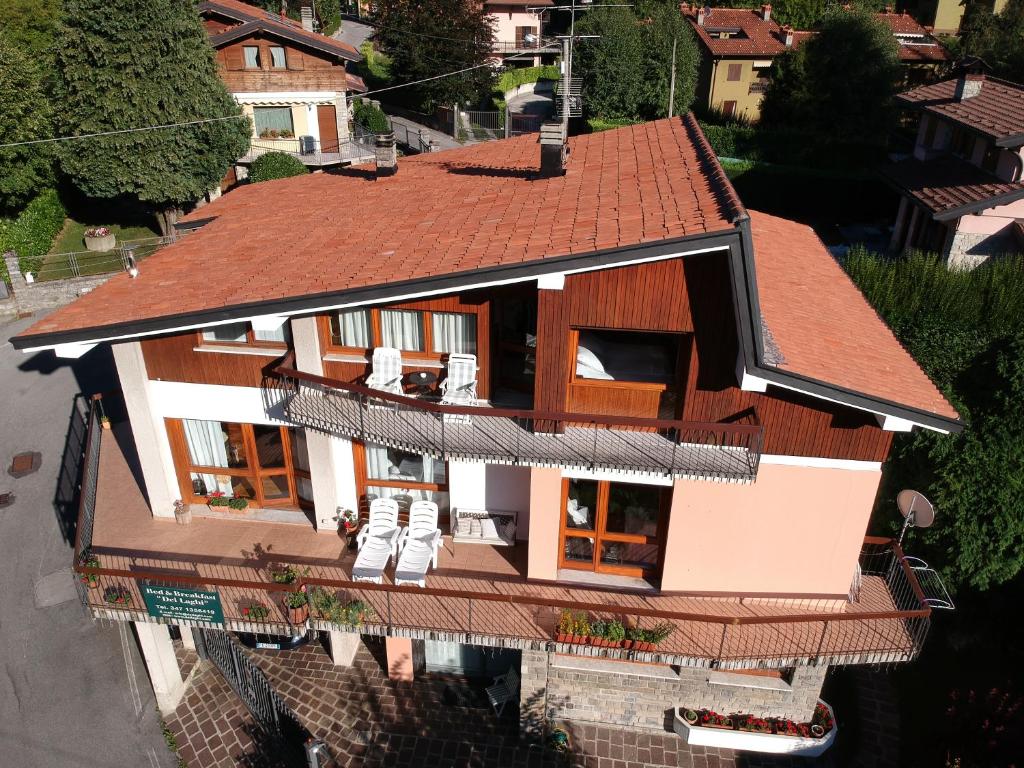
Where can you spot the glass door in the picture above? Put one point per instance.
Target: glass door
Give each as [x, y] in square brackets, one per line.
[612, 527]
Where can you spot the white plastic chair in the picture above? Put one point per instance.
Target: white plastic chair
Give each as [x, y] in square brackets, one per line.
[504, 690]
[387, 371]
[371, 561]
[418, 545]
[459, 386]
[382, 525]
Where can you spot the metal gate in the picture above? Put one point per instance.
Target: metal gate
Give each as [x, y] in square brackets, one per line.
[270, 711]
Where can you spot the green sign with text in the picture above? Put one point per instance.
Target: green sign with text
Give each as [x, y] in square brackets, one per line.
[181, 603]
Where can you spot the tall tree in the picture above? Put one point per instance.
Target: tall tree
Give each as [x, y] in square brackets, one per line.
[996, 38]
[626, 70]
[433, 37]
[124, 64]
[31, 25]
[25, 115]
[840, 83]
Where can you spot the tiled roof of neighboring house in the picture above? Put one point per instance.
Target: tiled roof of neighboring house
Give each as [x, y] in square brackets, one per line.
[823, 326]
[355, 82]
[257, 20]
[997, 111]
[441, 214]
[531, 3]
[758, 37]
[950, 187]
[916, 44]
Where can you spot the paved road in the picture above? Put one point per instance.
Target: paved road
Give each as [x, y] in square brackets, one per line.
[72, 692]
[353, 32]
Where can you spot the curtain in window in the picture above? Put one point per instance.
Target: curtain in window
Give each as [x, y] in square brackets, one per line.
[230, 332]
[252, 57]
[405, 497]
[272, 119]
[402, 329]
[393, 464]
[281, 335]
[454, 332]
[352, 328]
[207, 446]
[277, 60]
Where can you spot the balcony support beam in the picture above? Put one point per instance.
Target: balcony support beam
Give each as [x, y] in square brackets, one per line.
[162, 665]
[344, 646]
[399, 658]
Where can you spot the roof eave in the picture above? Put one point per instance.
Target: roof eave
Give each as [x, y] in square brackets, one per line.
[979, 205]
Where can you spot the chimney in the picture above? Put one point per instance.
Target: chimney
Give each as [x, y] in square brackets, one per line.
[787, 36]
[968, 85]
[386, 155]
[766, 12]
[701, 13]
[306, 14]
[552, 150]
[889, 9]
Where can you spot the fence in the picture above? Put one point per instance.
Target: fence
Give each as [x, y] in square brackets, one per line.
[60, 266]
[315, 152]
[249, 683]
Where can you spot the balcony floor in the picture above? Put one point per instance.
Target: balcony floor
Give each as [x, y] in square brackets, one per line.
[126, 537]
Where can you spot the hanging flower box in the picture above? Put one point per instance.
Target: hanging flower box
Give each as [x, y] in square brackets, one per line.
[769, 736]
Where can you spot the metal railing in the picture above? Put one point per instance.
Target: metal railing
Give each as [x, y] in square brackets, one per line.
[359, 147]
[671, 448]
[60, 266]
[758, 86]
[537, 44]
[416, 139]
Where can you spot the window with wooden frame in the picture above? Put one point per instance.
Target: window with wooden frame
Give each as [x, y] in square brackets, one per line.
[278, 57]
[391, 473]
[265, 464]
[251, 54]
[422, 333]
[244, 335]
[615, 528]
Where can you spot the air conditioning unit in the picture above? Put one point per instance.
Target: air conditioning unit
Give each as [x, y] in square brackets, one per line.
[307, 145]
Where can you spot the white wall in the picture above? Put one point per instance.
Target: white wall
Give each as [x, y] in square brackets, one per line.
[494, 487]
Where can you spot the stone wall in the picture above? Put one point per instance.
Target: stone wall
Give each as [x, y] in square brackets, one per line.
[968, 250]
[32, 297]
[644, 695]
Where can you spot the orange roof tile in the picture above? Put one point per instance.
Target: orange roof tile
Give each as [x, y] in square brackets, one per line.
[443, 213]
[997, 111]
[916, 44]
[824, 327]
[756, 37]
[271, 23]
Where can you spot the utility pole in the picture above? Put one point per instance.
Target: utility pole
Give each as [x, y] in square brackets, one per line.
[672, 81]
[566, 80]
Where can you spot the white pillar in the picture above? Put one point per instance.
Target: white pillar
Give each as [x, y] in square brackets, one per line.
[151, 443]
[187, 638]
[897, 228]
[164, 674]
[344, 646]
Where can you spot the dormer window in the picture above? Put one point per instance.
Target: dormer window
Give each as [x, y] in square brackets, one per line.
[278, 59]
[252, 56]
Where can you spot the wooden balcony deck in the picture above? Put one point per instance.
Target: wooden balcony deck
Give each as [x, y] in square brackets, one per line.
[478, 594]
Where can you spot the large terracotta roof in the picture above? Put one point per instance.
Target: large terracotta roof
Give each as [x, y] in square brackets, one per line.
[997, 111]
[916, 44]
[758, 38]
[443, 213]
[256, 19]
[823, 326]
[950, 187]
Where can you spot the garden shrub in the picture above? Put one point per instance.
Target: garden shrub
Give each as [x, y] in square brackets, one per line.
[275, 165]
[32, 233]
[371, 118]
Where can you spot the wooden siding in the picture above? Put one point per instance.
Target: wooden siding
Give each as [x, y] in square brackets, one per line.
[691, 295]
[472, 302]
[307, 70]
[173, 358]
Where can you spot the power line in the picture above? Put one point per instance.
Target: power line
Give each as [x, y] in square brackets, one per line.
[123, 130]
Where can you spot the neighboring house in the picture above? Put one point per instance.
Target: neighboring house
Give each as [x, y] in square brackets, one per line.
[739, 45]
[962, 191]
[680, 415]
[291, 81]
[945, 16]
[518, 25]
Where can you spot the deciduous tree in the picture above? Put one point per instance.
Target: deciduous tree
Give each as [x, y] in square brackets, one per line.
[123, 65]
[996, 38]
[434, 37]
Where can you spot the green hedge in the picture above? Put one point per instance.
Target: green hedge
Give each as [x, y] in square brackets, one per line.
[513, 78]
[32, 234]
[371, 118]
[788, 147]
[275, 165]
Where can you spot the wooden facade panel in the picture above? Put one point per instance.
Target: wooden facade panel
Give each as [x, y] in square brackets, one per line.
[306, 70]
[173, 358]
[645, 296]
[553, 340]
[620, 399]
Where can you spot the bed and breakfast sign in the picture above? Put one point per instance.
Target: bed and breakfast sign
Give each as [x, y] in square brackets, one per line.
[181, 603]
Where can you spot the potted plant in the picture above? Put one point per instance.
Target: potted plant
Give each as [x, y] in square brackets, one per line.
[182, 513]
[614, 633]
[255, 612]
[710, 719]
[284, 574]
[105, 421]
[821, 721]
[99, 239]
[598, 630]
[565, 624]
[297, 604]
[581, 629]
[690, 716]
[348, 525]
[658, 633]
[117, 595]
[91, 580]
[753, 724]
[220, 499]
[356, 612]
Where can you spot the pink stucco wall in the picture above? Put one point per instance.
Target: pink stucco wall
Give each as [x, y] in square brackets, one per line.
[992, 220]
[795, 531]
[507, 18]
[399, 655]
[545, 500]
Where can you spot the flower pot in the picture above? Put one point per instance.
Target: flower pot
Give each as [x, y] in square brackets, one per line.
[563, 638]
[93, 584]
[105, 243]
[817, 731]
[628, 644]
[726, 726]
[298, 615]
[183, 515]
[689, 716]
[648, 647]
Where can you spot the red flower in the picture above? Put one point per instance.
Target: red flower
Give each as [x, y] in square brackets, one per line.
[216, 494]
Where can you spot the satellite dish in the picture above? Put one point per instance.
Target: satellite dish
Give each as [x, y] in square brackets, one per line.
[917, 511]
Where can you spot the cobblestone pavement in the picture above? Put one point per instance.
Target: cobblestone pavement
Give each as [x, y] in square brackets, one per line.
[445, 721]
